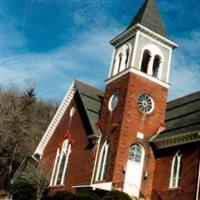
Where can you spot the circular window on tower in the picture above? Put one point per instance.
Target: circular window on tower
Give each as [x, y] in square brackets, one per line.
[114, 100]
[145, 103]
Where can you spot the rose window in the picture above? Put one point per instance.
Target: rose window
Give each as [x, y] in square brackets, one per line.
[145, 103]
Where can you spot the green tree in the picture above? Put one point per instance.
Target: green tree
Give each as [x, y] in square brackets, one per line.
[29, 184]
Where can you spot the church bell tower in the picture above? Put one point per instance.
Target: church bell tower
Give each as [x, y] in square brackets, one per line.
[135, 101]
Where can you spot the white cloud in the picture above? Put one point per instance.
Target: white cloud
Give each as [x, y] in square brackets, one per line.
[185, 71]
[87, 58]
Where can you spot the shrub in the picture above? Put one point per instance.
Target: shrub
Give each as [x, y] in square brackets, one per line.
[62, 195]
[45, 195]
[86, 196]
[22, 189]
[116, 195]
[29, 184]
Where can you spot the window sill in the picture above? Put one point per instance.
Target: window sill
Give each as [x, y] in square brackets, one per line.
[56, 186]
[174, 189]
[102, 181]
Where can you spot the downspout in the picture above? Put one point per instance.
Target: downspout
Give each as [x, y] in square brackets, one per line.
[198, 183]
[95, 162]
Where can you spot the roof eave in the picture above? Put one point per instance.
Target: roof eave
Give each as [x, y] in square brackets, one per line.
[55, 121]
[176, 140]
[125, 35]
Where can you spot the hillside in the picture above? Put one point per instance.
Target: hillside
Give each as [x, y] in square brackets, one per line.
[23, 120]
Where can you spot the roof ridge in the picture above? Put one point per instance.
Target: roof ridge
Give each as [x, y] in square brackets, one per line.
[87, 85]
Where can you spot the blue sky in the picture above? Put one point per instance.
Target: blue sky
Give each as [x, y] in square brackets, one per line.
[48, 43]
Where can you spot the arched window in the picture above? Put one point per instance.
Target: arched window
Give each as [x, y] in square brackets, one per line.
[156, 65]
[127, 58]
[136, 153]
[100, 175]
[145, 61]
[176, 170]
[72, 111]
[60, 163]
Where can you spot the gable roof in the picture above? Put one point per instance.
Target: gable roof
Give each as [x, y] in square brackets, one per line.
[91, 99]
[149, 16]
[182, 122]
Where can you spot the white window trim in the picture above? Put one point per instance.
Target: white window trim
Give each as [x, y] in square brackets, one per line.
[136, 152]
[104, 163]
[116, 94]
[58, 169]
[141, 59]
[118, 64]
[126, 48]
[112, 64]
[160, 67]
[177, 182]
[96, 158]
[66, 163]
[64, 151]
[100, 174]
[72, 111]
[54, 167]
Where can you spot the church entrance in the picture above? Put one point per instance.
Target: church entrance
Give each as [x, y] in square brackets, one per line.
[134, 169]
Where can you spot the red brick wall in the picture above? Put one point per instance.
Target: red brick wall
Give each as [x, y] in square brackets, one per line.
[81, 160]
[110, 123]
[190, 162]
[122, 126]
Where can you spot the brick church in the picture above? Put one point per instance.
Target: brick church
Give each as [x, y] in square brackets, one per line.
[128, 137]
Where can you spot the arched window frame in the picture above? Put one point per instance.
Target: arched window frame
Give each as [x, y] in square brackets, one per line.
[72, 111]
[61, 163]
[126, 52]
[153, 51]
[121, 60]
[127, 58]
[175, 177]
[103, 157]
[136, 153]
[117, 62]
[156, 67]
[147, 65]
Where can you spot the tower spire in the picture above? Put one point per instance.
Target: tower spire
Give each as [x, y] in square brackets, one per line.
[149, 16]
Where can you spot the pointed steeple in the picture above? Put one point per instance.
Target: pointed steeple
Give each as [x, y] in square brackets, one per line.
[149, 16]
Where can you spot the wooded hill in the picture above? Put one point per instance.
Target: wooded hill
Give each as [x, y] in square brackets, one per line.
[23, 121]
